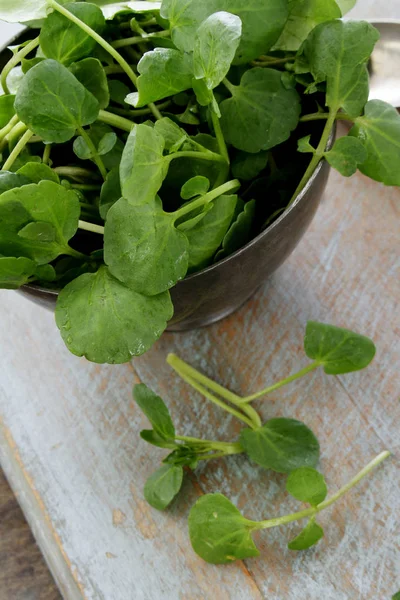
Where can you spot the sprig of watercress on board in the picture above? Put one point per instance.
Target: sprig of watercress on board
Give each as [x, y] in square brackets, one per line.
[165, 124]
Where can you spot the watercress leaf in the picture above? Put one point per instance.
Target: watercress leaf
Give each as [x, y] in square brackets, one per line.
[215, 47]
[107, 322]
[311, 535]
[39, 231]
[111, 8]
[65, 41]
[36, 172]
[8, 181]
[346, 5]
[239, 232]
[118, 91]
[52, 102]
[218, 532]
[304, 15]
[281, 445]
[110, 192]
[207, 235]
[262, 22]
[173, 135]
[15, 272]
[28, 63]
[82, 149]
[379, 131]
[194, 218]
[196, 186]
[143, 167]
[151, 437]
[90, 73]
[337, 52]
[204, 95]
[396, 596]
[6, 109]
[304, 146]
[107, 143]
[185, 456]
[346, 154]
[162, 487]
[143, 248]
[45, 202]
[338, 350]
[22, 11]
[45, 273]
[247, 166]
[163, 73]
[155, 410]
[261, 113]
[112, 158]
[307, 485]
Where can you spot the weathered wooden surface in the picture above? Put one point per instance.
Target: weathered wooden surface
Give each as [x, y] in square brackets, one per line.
[23, 573]
[70, 445]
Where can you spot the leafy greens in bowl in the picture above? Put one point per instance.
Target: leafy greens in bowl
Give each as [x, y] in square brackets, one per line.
[139, 141]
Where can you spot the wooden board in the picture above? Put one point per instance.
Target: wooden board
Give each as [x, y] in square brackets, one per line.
[70, 447]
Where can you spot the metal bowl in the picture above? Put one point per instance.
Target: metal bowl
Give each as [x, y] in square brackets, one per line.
[219, 290]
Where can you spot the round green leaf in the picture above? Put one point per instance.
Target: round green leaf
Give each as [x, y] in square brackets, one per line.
[6, 109]
[240, 231]
[307, 485]
[196, 186]
[155, 410]
[90, 73]
[110, 192]
[22, 11]
[338, 350]
[9, 181]
[143, 248]
[15, 272]
[38, 231]
[162, 487]
[218, 532]
[346, 154]
[36, 172]
[311, 535]
[281, 445]
[105, 321]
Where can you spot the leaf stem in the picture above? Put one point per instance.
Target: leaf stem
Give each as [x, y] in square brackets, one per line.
[95, 155]
[317, 156]
[17, 150]
[281, 383]
[16, 132]
[308, 512]
[46, 154]
[7, 128]
[199, 155]
[91, 227]
[226, 447]
[207, 198]
[320, 116]
[139, 39]
[72, 252]
[229, 85]
[14, 61]
[76, 173]
[115, 121]
[220, 136]
[272, 61]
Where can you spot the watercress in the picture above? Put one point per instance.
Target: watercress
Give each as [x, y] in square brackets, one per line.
[165, 124]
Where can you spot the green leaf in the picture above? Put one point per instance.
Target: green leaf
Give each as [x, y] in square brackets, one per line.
[218, 532]
[337, 52]
[262, 22]
[346, 5]
[196, 186]
[28, 63]
[155, 410]
[143, 248]
[217, 40]
[143, 167]
[107, 143]
[53, 104]
[304, 15]
[247, 166]
[45, 202]
[15, 272]
[163, 72]
[346, 154]
[338, 350]
[8, 181]
[152, 438]
[379, 132]
[111, 8]
[39, 231]
[307, 485]
[36, 172]
[22, 11]
[110, 192]
[185, 456]
[206, 237]
[90, 73]
[65, 41]
[281, 445]
[118, 91]
[99, 133]
[174, 136]
[45, 273]
[240, 232]
[105, 321]
[311, 535]
[261, 113]
[396, 596]
[304, 146]
[162, 487]
[6, 109]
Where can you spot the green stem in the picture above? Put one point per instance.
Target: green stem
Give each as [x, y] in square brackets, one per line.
[138, 112]
[229, 85]
[16, 132]
[14, 61]
[199, 155]
[95, 155]
[319, 153]
[226, 447]
[115, 121]
[220, 136]
[76, 173]
[71, 252]
[86, 188]
[214, 399]
[280, 384]
[17, 150]
[218, 455]
[271, 62]
[7, 128]
[324, 116]
[207, 198]
[91, 227]
[139, 39]
[309, 512]
[46, 154]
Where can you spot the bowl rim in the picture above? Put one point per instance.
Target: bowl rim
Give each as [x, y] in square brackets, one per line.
[238, 252]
